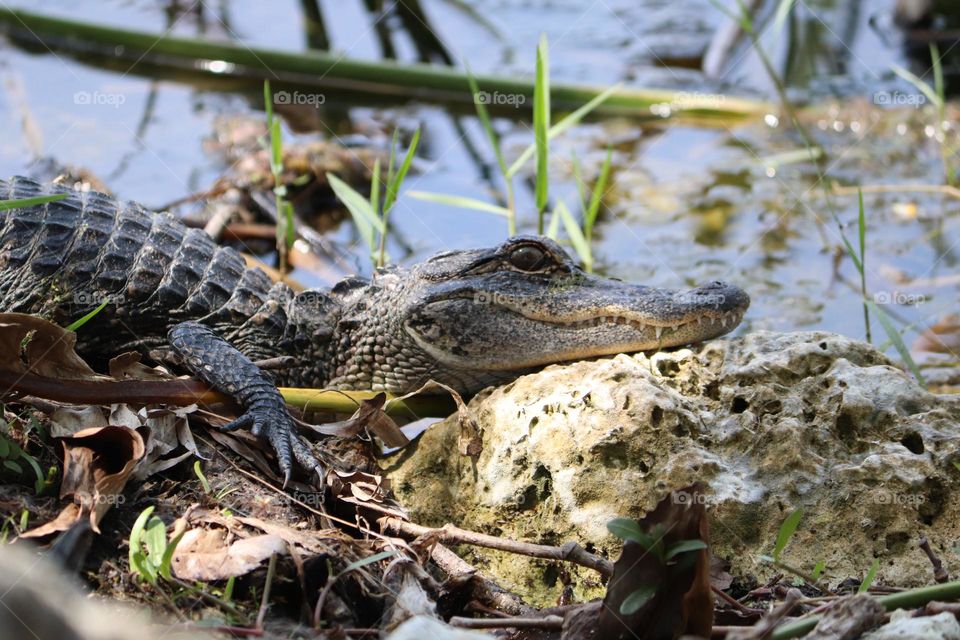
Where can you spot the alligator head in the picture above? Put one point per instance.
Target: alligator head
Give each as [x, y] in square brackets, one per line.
[474, 317]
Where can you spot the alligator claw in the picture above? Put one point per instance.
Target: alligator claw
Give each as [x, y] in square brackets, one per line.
[243, 422]
[272, 422]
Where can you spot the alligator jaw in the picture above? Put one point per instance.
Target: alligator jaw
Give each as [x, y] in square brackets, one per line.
[487, 316]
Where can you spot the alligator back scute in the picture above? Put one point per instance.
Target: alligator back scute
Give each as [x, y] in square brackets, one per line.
[64, 258]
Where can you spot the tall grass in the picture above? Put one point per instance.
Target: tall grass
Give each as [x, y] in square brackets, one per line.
[544, 131]
[371, 217]
[817, 156]
[286, 229]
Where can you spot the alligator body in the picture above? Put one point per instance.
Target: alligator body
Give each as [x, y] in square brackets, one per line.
[467, 319]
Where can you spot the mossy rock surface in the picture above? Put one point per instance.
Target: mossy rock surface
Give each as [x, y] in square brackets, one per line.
[768, 422]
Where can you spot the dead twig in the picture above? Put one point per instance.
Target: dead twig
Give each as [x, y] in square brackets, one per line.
[769, 622]
[570, 552]
[267, 586]
[550, 623]
[485, 590]
[736, 604]
[947, 190]
[939, 573]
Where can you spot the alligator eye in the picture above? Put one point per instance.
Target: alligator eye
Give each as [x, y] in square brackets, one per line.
[528, 258]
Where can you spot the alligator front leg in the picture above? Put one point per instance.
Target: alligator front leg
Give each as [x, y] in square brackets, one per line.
[221, 365]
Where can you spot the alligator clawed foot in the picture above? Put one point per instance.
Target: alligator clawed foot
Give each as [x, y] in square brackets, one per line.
[275, 425]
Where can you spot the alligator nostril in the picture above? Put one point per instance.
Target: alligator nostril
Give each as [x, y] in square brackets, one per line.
[717, 283]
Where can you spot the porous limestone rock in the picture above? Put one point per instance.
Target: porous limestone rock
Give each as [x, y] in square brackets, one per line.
[903, 626]
[769, 422]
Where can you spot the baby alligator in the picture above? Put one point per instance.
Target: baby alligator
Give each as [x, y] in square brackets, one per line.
[467, 319]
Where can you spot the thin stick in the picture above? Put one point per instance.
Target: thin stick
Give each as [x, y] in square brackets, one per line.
[945, 189]
[570, 552]
[550, 623]
[736, 604]
[184, 392]
[486, 589]
[267, 586]
[939, 573]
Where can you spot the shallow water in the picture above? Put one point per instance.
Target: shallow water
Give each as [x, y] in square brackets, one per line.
[686, 204]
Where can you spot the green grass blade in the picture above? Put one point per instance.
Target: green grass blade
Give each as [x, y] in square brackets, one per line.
[375, 186]
[393, 156]
[862, 233]
[201, 477]
[166, 561]
[870, 577]
[920, 85]
[553, 228]
[484, 116]
[135, 555]
[577, 239]
[818, 569]
[367, 222]
[393, 186]
[6, 205]
[850, 250]
[76, 324]
[577, 172]
[377, 557]
[807, 154]
[897, 341]
[783, 12]
[268, 102]
[462, 202]
[564, 124]
[787, 529]
[596, 198]
[541, 128]
[937, 72]
[276, 154]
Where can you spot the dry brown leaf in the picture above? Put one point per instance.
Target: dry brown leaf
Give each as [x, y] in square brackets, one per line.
[96, 466]
[680, 600]
[470, 440]
[127, 366]
[942, 337]
[164, 431]
[206, 554]
[370, 416]
[48, 352]
[313, 541]
[66, 421]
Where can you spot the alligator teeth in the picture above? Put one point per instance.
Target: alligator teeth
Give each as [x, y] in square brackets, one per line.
[723, 322]
[675, 328]
[659, 332]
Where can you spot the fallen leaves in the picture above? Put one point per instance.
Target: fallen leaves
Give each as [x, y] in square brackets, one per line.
[661, 583]
[97, 463]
